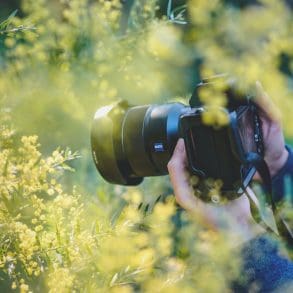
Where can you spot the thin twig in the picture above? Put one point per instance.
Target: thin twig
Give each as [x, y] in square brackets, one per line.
[17, 29]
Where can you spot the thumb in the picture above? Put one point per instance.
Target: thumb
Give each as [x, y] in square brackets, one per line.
[178, 160]
[179, 150]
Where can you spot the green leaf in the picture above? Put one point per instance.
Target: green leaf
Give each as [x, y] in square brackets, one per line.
[114, 279]
[176, 15]
[4, 24]
[67, 168]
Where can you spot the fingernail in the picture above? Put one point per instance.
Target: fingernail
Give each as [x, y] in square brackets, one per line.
[180, 145]
[179, 148]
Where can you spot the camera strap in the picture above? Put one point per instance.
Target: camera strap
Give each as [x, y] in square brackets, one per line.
[254, 161]
[283, 229]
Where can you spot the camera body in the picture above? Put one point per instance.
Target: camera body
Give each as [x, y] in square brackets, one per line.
[132, 142]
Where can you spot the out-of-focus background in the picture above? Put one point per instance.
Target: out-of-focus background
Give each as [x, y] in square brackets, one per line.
[84, 61]
[77, 58]
[61, 60]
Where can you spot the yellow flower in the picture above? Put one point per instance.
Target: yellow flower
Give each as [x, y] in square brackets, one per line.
[13, 286]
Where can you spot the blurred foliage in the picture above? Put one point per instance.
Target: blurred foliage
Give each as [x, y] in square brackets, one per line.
[85, 54]
[55, 240]
[61, 60]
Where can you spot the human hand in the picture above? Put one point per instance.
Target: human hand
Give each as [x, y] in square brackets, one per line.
[237, 211]
[276, 154]
[234, 217]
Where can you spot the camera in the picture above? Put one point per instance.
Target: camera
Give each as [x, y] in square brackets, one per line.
[132, 142]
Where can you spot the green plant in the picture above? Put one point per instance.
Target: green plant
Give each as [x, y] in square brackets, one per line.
[54, 74]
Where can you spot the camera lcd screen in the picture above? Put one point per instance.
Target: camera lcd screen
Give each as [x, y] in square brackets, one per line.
[213, 155]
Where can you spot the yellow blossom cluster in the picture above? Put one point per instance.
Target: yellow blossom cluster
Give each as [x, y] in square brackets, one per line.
[58, 241]
[249, 44]
[74, 233]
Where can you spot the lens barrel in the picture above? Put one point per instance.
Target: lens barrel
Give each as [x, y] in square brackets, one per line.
[129, 143]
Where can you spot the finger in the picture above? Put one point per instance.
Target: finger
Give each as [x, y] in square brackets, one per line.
[266, 104]
[180, 178]
[179, 154]
[183, 190]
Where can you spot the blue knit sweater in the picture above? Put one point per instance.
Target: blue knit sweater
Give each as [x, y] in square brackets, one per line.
[266, 267]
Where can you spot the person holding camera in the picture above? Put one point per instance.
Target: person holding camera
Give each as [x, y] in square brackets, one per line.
[261, 256]
[252, 141]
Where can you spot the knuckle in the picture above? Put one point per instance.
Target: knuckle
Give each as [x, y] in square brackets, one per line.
[171, 165]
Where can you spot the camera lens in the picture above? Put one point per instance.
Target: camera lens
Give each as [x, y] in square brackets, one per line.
[129, 143]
